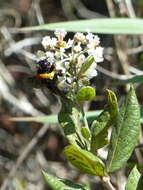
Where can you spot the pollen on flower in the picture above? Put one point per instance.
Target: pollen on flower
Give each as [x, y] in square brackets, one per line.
[61, 44]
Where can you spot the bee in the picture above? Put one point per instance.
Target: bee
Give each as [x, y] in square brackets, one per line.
[48, 76]
[46, 70]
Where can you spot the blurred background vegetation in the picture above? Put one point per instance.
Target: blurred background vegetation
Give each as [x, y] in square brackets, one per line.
[27, 146]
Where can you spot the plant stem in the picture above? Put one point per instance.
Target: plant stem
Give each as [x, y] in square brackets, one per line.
[84, 117]
[107, 183]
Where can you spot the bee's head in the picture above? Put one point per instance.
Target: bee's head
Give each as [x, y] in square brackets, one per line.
[43, 66]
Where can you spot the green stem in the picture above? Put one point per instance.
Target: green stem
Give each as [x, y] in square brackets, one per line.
[84, 117]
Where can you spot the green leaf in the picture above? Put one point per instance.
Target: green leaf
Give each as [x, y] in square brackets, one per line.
[133, 179]
[140, 183]
[39, 119]
[100, 126]
[107, 116]
[91, 115]
[125, 133]
[69, 118]
[86, 133]
[105, 26]
[135, 79]
[113, 105]
[85, 161]
[99, 141]
[62, 184]
[86, 65]
[101, 122]
[86, 93]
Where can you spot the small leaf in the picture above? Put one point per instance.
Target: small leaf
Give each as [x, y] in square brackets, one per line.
[100, 140]
[86, 133]
[85, 161]
[62, 184]
[108, 116]
[69, 120]
[125, 133]
[133, 179]
[86, 65]
[100, 126]
[101, 122]
[86, 93]
[113, 105]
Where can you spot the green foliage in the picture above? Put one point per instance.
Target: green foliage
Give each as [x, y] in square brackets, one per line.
[86, 133]
[140, 183]
[135, 79]
[125, 133]
[105, 119]
[105, 26]
[85, 161]
[69, 120]
[133, 179]
[113, 106]
[86, 66]
[91, 115]
[99, 141]
[108, 115]
[62, 184]
[85, 141]
[86, 93]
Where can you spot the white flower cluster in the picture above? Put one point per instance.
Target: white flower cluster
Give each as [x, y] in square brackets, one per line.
[69, 56]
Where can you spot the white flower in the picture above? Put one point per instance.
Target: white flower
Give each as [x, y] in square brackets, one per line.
[49, 54]
[69, 44]
[67, 64]
[62, 50]
[82, 58]
[60, 33]
[79, 37]
[48, 42]
[70, 54]
[91, 72]
[97, 53]
[92, 40]
[77, 48]
[60, 53]
[60, 67]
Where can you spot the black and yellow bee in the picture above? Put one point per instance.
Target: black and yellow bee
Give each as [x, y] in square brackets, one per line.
[45, 70]
[47, 76]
